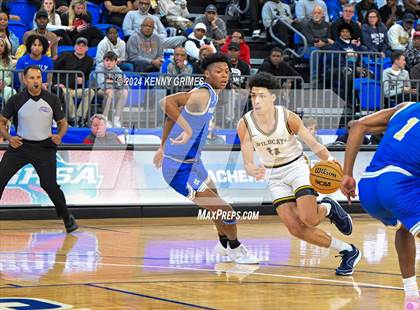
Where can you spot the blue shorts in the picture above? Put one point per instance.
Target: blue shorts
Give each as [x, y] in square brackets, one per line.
[391, 197]
[187, 178]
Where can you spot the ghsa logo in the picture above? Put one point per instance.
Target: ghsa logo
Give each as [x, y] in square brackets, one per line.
[75, 179]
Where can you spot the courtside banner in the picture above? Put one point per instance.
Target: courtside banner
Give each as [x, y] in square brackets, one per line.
[127, 177]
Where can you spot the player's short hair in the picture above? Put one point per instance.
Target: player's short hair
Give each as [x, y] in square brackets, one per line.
[98, 116]
[31, 67]
[31, 40]
[211, 59]
[264, 79]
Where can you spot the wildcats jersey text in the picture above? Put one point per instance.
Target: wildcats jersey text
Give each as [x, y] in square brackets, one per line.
[275, 148]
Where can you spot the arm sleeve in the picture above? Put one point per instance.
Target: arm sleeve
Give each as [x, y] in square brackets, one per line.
[100, 52]
[58, 113]
[128, 25]
[9, 108]
[220, 32]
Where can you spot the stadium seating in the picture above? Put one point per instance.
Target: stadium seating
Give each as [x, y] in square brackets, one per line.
[25, 10]
[95, 11]
[18, 29]
[370, 95]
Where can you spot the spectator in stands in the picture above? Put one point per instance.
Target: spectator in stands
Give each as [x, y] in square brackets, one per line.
[412, 54]
[396, 81]
[196, 40]
[176, 13]
[273, 9]
[304, 9]
[347, 19]
[144, 48]
[391, 12]
[81, 20]
[253, 15]
[54, 23]
[216, 27]
[212, 137]
[316, 29]
[363, 7]
[134, 19]
[276, 65]
[154, 6]
[312, 125]
[62, 6]
[6, 89]
[238, 37]
[41, 21]
[99, 134]
[76, 61]
[204, 52]
[374, 34]
[238, 67]
[335, 8]
[399, 37]
[37, 47]
[413, 7]
[110, 80]
[112, 42]
[179, 65]
[343, 138]
[415, 73]
[11, 39]
[117, 9]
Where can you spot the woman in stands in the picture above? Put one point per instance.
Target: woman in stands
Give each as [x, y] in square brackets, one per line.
[81, 20]
[374, 34]
[6, 89]
[54, 24]
[11, 39]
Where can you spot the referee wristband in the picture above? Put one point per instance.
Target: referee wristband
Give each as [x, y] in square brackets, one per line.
[330, 158]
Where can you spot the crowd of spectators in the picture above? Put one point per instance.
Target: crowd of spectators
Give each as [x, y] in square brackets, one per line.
[150, 27]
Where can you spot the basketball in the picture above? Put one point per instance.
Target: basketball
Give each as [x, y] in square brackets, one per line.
[326, 177]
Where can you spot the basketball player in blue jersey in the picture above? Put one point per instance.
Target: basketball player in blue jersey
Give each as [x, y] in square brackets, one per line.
[184, 135]
[390, 187]
[272, 132]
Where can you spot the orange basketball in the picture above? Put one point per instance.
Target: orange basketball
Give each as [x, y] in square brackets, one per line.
[326, 177]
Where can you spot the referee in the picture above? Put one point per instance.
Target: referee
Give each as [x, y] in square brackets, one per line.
[33, 111]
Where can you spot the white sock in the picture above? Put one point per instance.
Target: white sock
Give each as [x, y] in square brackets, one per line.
[328, 207]
[410, 287]
[340, 245]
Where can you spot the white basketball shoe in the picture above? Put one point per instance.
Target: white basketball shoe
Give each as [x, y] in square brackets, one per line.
[241, 255]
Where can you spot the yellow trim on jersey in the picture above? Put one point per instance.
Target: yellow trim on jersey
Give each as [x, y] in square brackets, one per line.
[285, 120]
[303, 187]
[283, 199]
[276, 117]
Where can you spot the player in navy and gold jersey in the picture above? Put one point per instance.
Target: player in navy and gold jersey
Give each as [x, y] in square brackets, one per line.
[184, 135]
[390, 187]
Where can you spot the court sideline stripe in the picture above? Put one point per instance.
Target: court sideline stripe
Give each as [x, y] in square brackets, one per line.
[149, 296]
[167, 259]
[255, 273]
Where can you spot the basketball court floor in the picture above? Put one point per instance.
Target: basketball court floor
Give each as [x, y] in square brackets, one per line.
[169, 263]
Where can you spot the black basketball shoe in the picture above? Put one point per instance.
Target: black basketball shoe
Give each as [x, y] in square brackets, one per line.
[338, 216]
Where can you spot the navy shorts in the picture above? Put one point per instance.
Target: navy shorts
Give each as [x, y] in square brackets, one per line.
[187, 178]
[391, 197]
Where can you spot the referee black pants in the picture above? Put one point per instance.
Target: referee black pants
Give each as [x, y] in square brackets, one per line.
[42, 156]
